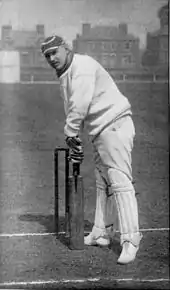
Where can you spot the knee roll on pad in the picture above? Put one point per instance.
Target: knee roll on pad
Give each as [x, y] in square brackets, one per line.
[119, 181]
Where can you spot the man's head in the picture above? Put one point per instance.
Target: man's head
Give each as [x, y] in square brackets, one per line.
[55, 51]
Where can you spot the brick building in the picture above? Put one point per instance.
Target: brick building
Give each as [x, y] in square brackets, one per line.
[157, 50]
[32, 63]
[112, 46]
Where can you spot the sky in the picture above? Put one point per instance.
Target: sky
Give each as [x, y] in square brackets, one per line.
[65, 17]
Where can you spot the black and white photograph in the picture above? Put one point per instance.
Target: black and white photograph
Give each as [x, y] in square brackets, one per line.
[84, 144]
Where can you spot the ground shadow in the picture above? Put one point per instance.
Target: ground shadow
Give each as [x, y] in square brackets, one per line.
[115, 245]
[48, 222]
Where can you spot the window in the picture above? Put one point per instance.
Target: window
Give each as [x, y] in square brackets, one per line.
[105, 60]
[24, 52]
[104, 46]
[8, 39]
[112, 60]
[108, 46]
[127, 45]
[8, 42]
[164, 43]
[127, 59]
[25, 58]
[40, 59]
[92, 46]
[112, 45]
[166, 14]
[164, 57]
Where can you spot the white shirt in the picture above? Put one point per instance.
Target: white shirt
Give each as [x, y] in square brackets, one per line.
[90, 94]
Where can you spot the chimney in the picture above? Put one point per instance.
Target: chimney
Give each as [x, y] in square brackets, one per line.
[6, 32]
[123, 28]
[86, 29]
[40, 29]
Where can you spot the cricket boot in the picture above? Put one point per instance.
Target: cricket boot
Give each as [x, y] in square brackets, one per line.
[128, 253]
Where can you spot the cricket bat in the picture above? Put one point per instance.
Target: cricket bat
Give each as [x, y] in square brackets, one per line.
[76, 209]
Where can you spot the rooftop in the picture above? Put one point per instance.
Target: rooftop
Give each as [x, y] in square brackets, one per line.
[23, 38]
[106, 32]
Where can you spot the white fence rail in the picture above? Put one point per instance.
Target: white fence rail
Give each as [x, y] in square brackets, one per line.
[117, 81]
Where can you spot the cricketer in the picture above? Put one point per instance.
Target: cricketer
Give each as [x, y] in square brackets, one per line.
[90, 95]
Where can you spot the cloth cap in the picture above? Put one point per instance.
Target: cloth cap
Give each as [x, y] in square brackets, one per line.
[50, 43]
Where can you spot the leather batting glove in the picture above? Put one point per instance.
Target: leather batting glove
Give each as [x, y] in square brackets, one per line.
[76, 157]
[74, 143]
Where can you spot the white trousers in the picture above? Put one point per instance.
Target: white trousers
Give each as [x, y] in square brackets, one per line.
[112, 155]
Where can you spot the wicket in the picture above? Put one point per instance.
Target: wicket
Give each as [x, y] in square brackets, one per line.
[74, 201]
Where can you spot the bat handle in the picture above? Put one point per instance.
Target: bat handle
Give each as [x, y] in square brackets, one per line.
[76, 169]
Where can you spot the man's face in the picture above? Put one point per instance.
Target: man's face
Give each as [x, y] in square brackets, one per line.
[57, 57]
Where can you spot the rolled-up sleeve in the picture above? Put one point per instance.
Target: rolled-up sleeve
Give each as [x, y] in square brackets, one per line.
[82, 89]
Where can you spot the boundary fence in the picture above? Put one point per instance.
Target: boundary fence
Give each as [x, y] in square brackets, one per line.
[117, 76]
[117, 81]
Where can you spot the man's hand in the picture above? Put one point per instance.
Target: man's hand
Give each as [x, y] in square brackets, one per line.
[76, 157]
[75, 145]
